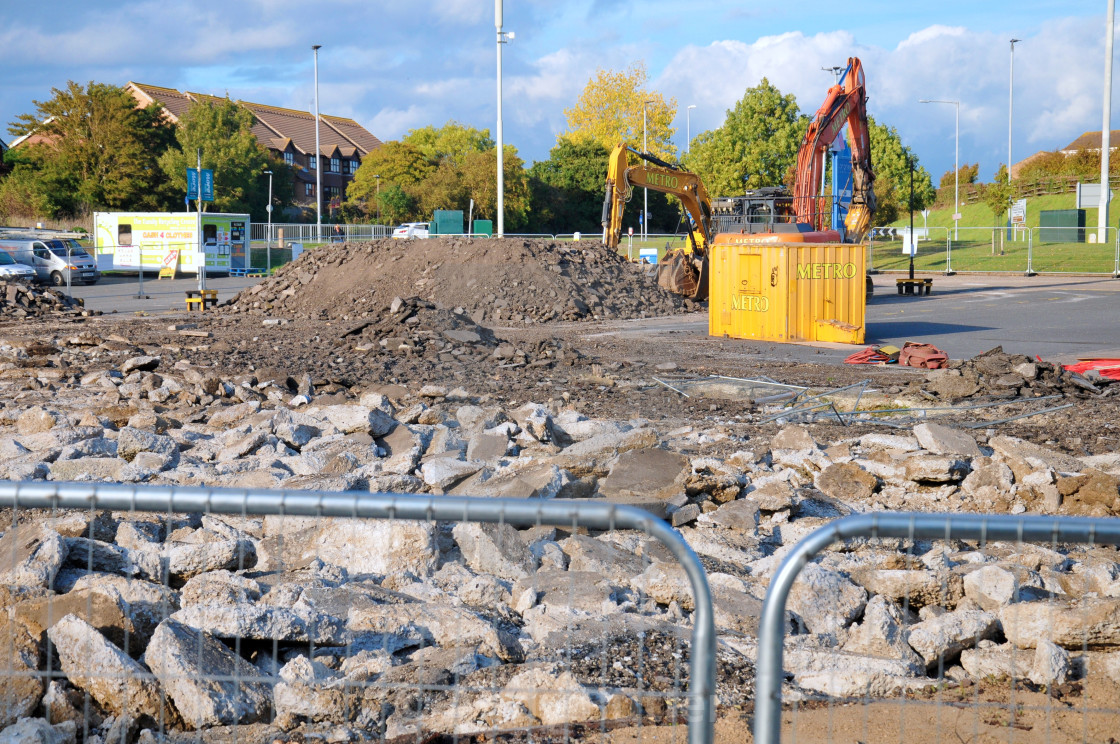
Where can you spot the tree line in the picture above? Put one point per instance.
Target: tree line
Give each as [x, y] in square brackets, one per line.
[94, 149]
[91, 148]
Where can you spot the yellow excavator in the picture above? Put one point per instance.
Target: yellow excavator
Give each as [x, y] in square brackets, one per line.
[681, 270]
[761, 216]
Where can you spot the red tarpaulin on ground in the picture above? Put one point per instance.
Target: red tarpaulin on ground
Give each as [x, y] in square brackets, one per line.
[1109, 368]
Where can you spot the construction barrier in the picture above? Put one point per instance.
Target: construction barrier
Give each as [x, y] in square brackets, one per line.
[983, 628]
[193, 609]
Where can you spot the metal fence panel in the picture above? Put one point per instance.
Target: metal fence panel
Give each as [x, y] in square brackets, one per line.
[180, 609]
[1047, 586]
[302, 232]
[1092, 252]
[888, 253]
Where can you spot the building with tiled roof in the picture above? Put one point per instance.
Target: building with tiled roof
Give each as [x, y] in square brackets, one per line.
[1091, 141]
[290, 135]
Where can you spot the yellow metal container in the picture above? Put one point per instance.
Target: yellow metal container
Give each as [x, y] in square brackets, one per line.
[787, 291]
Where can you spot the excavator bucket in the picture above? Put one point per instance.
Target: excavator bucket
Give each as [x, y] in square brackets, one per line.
[684, 274]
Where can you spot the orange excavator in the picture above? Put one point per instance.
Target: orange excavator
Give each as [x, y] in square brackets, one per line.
[769, 215]
[682, 270]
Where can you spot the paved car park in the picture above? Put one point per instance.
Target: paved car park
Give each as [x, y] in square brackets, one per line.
[123, 294]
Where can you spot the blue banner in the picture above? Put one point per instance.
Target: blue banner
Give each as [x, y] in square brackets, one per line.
[207, 184]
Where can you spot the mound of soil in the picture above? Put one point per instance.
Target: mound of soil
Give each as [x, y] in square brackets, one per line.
[997, 374]
[509, 281]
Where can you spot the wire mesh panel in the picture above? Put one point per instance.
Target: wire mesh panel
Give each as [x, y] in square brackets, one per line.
[888, 250]
[932, 628]
[147, 613]
[1073, 250]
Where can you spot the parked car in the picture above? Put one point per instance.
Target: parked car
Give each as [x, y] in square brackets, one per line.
[12, 271]
[54, 260]
[411, 230]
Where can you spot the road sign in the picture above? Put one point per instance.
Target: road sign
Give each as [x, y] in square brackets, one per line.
[631, 231]
[1089, 195]
[957, 216]
[1019, 212]
[207, 184]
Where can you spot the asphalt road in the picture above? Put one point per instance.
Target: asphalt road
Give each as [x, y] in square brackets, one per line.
[122, 294]
[1056, 318]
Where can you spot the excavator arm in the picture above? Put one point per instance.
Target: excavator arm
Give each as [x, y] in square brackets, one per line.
[846, 103]
[683, 271]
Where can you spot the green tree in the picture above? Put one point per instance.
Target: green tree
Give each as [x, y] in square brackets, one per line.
[223, 131]
[997, 195]
[453, 141]
[609, 111]
[756, 146]
[443, 189]
[393, 170]
[92, 149]
[967, 174]
[890, 162]
[567, 189]
[480, 177]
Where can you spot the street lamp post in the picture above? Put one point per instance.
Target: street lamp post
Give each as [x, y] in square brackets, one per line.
[503, 36]
[318, 159]
[268, 245]
[956, 163]
[1106, 130]
[1010, 108]
[645, 191]
[688, 127]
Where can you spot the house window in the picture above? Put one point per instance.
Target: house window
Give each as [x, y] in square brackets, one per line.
[335, 165]
[312, 162]
[354, 166]
[289, 159]
[309, 189]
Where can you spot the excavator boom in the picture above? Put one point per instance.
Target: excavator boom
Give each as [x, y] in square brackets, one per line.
[683, 271]
[846, 103]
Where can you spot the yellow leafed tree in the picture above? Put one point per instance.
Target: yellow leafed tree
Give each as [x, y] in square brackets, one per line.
[609, 111]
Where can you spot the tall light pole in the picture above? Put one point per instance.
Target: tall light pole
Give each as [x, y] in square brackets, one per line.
[688, 127]
[502, 38]
[645, 191]
[1106, 130]
[377, 198]
[318, 159]
[956, 162]
[1010, 108]
[268, 208]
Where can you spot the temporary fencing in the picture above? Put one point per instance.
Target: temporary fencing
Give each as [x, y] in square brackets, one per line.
[1026, 250]
[1016, 631]
[200, 608]
[278, 232]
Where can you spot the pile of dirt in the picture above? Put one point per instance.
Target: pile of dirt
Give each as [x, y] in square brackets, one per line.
[422, 330]
[996, 374]
[23, 301]
[496, 282]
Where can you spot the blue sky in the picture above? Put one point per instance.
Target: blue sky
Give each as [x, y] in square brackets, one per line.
[394, 66]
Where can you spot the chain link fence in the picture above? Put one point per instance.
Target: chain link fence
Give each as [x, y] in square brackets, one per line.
[221, 614]
[943, 627]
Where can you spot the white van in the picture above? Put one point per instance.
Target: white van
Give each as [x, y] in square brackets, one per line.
[12, 271]
[54, 261]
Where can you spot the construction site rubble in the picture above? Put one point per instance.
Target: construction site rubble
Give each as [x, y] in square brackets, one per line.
[996, 374]
[19, 300]
[338, 618]
[512, 281]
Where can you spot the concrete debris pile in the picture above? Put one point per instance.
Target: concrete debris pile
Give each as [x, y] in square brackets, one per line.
[18, 300]
[496, 282]
[423, 331]
[340, 620]
[996, 374]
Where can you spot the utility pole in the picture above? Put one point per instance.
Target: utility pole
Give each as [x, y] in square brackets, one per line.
[1106, 129]
[1010, 108]
[318, 159]
[502, 37]
[268, 245]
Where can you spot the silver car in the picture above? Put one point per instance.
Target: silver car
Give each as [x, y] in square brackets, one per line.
[12, 271]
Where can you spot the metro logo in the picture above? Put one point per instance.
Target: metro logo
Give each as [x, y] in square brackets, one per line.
[662, 179]
[826, 271]
[750, 303]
